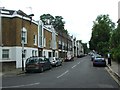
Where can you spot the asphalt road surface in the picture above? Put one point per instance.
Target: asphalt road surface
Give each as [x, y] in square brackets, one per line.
[79, 73]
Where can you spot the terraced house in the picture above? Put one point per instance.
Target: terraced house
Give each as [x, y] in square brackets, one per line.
[17, 27]
[22, 37]
[50, 41]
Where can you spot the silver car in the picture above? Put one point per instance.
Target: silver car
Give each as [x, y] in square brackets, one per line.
[55, 61]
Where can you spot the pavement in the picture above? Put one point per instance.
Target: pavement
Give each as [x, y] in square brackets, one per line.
[12, 73]
[114, 70]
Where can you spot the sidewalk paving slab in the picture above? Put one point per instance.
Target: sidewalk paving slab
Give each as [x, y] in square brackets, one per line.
[114, 69]
[12, 73]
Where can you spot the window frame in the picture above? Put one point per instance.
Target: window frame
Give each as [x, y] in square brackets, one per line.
[8, 54]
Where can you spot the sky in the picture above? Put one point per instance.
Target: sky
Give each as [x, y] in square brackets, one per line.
[78, 14]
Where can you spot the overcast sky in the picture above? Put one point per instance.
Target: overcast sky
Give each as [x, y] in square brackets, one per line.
[78, 14]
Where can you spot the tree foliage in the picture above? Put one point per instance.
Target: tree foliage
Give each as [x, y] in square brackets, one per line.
[101, 33]
[56, 21]
[47, 19]
[115, 44]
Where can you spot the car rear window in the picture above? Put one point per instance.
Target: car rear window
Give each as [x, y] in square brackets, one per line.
[32, 60]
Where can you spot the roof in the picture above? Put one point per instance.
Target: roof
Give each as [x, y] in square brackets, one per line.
[18, 13]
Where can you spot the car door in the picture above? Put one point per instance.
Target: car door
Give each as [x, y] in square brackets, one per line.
[48, 64]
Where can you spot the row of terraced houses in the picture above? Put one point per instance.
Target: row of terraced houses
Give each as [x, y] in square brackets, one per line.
[39, 40]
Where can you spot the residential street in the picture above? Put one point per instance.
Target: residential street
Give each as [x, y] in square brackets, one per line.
[79, 73]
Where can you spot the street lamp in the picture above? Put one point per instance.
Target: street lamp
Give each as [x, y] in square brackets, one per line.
[30, 16]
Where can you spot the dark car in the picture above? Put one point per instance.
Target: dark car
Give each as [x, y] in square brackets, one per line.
[34, 64]
[99, 61]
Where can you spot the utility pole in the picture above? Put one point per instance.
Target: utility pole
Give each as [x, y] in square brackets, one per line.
[23, 40]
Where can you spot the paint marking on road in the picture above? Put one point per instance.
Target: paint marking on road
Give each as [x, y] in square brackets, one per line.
[21, 85]
[63, 74]
[74, 66]
[79, 62]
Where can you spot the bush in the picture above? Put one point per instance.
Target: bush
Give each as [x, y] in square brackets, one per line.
[116, 54]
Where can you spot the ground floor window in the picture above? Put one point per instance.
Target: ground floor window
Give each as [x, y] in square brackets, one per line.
[5, 53]
[56, 54]
[34, 53]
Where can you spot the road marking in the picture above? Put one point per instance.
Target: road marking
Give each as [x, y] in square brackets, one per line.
[79, 62]
[63, 74]
[21, 85]
[74, 66]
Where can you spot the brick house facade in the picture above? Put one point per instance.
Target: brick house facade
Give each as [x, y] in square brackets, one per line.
[14, 25]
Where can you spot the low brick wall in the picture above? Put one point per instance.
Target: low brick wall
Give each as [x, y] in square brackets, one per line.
[8, 66]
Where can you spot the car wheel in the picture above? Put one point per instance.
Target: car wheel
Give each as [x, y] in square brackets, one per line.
[27, 71]
[56, 64]
[42, 69]
[50, 67]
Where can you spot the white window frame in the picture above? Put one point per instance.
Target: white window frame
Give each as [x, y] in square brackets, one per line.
[44, 42]
[32, 52]
[35, 39]
[24, 35]
[5, 53]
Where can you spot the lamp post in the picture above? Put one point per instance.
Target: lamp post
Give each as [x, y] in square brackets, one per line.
[30, 16]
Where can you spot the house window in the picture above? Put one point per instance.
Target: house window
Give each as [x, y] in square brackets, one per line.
[32, 52]
[24, 35]
[35, 39]
[56, 54]
[5, 53]
[40, 36]
[35, 53]
[44, 42]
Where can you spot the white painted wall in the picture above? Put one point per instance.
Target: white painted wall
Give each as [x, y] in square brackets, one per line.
[45, 52]
[15, 54]
[0, 53]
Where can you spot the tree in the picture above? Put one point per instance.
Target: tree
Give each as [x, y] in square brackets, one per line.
[58, 23]
[47, 19]
[86, 50]
[101, 33]
[115, 44]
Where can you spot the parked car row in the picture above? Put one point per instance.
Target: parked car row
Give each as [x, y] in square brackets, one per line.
[98, 60]
[40, 64]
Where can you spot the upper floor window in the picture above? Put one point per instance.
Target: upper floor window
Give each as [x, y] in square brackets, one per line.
[24, 35]
[5, 53]
[35, 39]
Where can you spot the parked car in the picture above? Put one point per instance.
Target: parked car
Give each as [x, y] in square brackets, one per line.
[69, 56]
[59, 62]
[99, 61]
[40, 64]
[80, 56]
[55, 61]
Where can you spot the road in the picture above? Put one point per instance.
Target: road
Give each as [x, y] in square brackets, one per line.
[75, 74]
